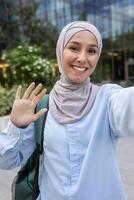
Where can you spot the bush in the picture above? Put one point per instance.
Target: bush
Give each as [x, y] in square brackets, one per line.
[28, 65]
[6, 100]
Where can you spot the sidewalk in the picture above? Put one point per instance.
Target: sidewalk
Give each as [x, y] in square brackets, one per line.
[126, 163]
[6, 178]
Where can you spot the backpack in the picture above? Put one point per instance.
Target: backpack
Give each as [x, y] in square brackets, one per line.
[25, 184]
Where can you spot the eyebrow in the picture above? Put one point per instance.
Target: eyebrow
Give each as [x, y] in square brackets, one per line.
[78, 43]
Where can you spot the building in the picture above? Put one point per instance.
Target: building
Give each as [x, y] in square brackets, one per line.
[114, 19]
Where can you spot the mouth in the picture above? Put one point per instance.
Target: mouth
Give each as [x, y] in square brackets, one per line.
[79, 69]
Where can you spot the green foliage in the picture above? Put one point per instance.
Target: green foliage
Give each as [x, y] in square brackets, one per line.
[37, 32]
[30, 54]
[28, 65]
[22, 24]
[6, 100]
[9, 26]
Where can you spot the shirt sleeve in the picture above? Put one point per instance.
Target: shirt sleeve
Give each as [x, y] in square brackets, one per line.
[16, 145]
[121, 112]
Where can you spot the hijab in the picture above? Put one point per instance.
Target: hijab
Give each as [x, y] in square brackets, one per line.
[69, 102]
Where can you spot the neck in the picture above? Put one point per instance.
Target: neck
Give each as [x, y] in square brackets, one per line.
[66, 80]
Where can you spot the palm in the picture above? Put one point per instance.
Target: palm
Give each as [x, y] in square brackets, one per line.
[23, 108]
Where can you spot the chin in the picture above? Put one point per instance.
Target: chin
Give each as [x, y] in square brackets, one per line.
[77, 81]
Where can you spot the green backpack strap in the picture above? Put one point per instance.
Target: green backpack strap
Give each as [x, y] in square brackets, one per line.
[40, 123]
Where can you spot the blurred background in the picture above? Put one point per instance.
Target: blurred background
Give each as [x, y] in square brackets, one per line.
[28, 33]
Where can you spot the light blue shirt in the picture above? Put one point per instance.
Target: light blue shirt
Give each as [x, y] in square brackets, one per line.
[80, 161]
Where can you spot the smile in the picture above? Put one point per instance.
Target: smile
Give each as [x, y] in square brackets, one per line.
[79, 69]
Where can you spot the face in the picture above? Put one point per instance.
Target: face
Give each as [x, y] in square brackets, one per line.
[80, 56]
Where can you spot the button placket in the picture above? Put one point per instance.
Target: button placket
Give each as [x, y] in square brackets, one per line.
[74, 153]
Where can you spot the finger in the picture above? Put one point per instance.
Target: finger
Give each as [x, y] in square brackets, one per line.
[18, 92]
[35, 91]
[39, 114]
[28, 91]
[40, 95]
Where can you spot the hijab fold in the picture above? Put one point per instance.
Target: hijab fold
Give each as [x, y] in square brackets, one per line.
[69, 102]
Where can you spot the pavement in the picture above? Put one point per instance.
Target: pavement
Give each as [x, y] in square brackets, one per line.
[125, 152]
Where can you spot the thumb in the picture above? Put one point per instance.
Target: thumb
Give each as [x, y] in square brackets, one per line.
[39, 114]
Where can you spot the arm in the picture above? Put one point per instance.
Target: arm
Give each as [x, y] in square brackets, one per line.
[16, 143]
[121, 112]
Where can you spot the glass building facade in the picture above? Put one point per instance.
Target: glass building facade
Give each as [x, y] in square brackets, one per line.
[114, 19]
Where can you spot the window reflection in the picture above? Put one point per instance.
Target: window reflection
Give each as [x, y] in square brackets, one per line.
[114, 18]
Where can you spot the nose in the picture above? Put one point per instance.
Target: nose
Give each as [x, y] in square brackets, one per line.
[82, 57]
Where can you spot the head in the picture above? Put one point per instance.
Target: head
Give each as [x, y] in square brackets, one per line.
[78, 50]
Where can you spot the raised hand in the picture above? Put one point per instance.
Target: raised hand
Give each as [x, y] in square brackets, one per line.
[23, 108]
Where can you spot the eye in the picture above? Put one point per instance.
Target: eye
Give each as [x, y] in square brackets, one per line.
[92, 51]
[73, 48]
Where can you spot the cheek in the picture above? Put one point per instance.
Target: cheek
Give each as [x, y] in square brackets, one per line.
[95, 60]
[65, 59]
[68, 57]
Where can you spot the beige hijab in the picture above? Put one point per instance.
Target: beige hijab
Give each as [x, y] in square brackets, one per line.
[69, 102]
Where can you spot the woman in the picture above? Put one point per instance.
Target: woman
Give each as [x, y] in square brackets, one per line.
[83, 124]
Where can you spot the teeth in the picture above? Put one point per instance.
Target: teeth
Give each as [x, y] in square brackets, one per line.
[80, 68]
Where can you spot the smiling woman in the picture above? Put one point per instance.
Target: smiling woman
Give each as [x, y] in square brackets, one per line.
[83, 124]
[80, 56]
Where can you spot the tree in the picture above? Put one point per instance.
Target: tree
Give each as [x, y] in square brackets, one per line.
[21, 25]
[37, 32]
[8, 26]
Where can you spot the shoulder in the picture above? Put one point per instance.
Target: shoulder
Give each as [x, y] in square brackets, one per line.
[105, 92]
[109, 89]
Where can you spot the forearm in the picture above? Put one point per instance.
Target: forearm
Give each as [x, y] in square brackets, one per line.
[121, 112]
[16, 145]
